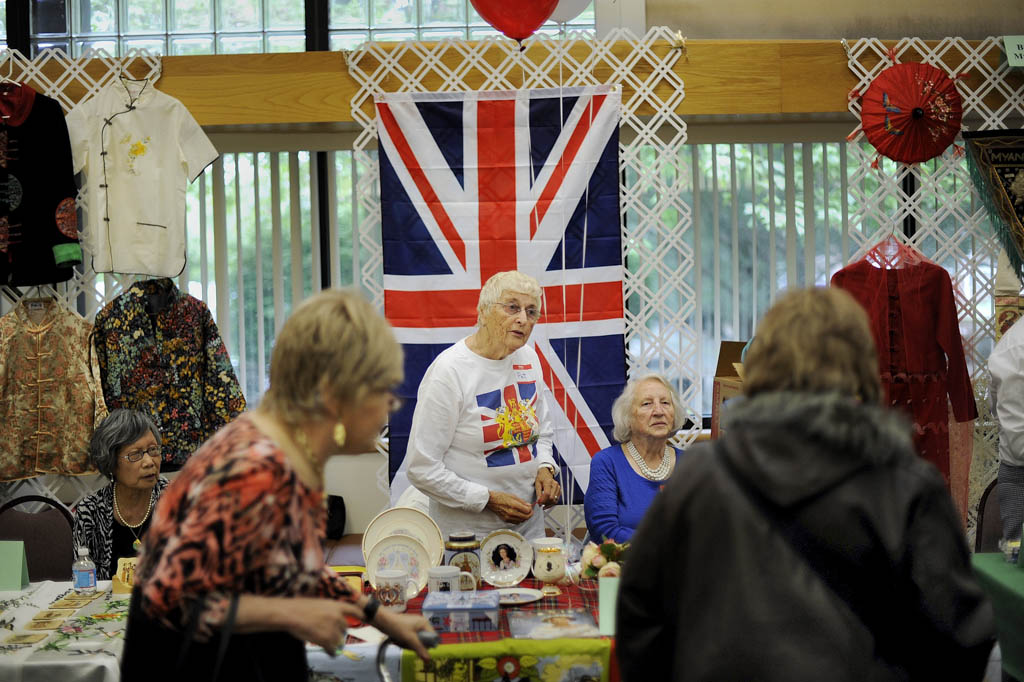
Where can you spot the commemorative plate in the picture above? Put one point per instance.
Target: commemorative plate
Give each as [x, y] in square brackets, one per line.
[513, 596]
[403, 553]
[505, 558]
[409, 522]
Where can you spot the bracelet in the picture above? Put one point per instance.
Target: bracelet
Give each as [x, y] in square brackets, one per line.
[370, 609]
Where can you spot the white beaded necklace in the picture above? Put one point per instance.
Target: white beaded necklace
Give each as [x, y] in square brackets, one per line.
[659, 474]
[137, 544]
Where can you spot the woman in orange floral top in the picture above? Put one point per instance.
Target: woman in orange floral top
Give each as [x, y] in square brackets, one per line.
[232, 579]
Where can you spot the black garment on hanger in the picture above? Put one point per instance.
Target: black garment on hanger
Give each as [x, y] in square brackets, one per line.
[38, 216]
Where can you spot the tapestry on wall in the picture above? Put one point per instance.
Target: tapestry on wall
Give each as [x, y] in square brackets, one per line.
[996, 161]
[476, 183]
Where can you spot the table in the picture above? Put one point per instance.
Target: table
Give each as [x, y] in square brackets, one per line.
[87, 647]
[1004, 585]
[488, 655]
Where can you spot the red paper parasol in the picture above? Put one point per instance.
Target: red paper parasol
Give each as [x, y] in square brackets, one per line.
[911, 112]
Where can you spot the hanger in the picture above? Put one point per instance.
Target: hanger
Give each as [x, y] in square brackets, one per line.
[8, 78]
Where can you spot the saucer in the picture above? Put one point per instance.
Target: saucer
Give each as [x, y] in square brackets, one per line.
[513, 596]
[403, 553]
[405, 521]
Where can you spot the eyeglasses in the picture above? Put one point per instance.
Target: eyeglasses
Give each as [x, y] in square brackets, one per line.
[135, 455]
[514, 309]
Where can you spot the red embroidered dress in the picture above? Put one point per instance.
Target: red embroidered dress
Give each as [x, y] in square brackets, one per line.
[910, 303]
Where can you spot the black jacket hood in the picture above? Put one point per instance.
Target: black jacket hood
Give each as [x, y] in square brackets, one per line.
[774, 438]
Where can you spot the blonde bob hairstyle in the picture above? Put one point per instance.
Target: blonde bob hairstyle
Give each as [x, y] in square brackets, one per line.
[814, 341]
[334, 345]
[500, 282]
[622, 408]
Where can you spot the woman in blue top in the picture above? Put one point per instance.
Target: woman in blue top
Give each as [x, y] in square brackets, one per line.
[625, 478]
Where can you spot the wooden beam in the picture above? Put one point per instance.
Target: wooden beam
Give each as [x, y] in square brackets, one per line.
[721, 77]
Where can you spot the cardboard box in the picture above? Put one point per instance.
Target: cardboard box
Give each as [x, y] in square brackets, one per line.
[728, 382]
[462, 611]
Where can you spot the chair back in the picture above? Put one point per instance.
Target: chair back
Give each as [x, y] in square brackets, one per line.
[989, 529]
[48, 536]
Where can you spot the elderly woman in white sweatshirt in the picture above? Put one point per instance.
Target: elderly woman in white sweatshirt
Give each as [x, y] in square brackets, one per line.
[480, 443]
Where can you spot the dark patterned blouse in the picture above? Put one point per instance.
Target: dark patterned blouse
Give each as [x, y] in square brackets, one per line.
[160, 352]
[236, 520]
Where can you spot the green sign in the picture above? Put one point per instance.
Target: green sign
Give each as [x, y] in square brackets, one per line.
[13, 568]
[1014, 50]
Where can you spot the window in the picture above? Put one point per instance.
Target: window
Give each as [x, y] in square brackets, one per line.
[189, 27]
[355, 21]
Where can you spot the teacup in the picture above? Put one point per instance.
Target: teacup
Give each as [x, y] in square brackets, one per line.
[449, 579]
[393, 588]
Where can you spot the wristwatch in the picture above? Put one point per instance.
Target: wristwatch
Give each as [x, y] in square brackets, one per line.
[553, 469]
[370, 609]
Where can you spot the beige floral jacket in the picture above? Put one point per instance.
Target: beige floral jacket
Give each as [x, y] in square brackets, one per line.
[50, 393]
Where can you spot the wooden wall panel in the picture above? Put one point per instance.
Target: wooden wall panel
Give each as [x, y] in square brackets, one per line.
[722, 77]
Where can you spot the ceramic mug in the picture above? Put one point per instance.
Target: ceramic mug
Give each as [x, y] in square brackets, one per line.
[393, 588]
[449, 579]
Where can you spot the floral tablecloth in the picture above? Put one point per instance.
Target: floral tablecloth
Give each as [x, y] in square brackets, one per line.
[85, 647]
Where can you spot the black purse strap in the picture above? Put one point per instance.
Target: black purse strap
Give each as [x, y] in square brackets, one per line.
[189, 634]
[225, 634]
[847, 579]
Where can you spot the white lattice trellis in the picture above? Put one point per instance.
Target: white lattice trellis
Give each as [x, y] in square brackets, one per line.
[652, 134]
[72, 81]
[951, 226]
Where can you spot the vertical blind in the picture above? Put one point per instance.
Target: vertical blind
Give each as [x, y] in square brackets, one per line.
[767, 217]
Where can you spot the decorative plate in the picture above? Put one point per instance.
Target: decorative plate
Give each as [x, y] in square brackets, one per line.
[402, 553]
[505, 558]
[405, 521]
[512, 596]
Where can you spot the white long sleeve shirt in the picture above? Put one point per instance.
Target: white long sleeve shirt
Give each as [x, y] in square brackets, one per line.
[479, 425]
[1006, 364]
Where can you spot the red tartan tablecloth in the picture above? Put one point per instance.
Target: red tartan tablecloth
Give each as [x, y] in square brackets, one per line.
[572, 597]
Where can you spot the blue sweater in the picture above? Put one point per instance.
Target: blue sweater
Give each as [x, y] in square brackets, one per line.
[617, 496]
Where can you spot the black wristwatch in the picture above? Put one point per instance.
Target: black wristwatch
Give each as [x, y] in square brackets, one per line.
[370, 609]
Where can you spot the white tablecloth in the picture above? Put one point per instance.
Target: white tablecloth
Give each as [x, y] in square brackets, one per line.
[87, 647]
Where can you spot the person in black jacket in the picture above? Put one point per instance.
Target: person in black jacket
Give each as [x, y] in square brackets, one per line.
[809, 542]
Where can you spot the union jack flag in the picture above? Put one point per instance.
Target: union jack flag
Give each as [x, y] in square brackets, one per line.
[476, 183]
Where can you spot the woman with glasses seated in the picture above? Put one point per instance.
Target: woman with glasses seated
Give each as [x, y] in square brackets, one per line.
[111, 522]
[480, 442]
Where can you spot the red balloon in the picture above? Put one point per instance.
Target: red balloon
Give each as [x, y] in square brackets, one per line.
[517, 20]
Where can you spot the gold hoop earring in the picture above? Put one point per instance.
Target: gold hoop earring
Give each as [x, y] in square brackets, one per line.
[340, 434]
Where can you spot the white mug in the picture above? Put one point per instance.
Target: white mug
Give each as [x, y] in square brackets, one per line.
[449, 579]
[394, 587]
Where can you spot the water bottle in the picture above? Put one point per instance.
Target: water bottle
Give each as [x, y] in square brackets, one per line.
[83, 572]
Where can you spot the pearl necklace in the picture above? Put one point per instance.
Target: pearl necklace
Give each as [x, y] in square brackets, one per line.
[117, 510]
[659, 474]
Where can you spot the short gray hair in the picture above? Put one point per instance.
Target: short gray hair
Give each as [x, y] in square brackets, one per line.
[622, 408]
[510, 280]
[120, 428]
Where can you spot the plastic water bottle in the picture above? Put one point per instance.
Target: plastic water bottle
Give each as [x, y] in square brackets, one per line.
[83, 572]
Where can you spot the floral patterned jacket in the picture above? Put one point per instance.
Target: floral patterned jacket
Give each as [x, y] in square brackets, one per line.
[160, 352]
[50, 392]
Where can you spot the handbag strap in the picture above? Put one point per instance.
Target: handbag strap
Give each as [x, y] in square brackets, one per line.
[225, 634]
[841, 574]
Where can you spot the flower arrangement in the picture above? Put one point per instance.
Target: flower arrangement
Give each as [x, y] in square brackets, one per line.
[604, 560]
